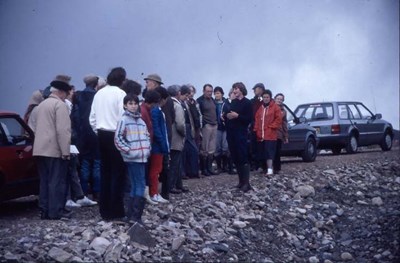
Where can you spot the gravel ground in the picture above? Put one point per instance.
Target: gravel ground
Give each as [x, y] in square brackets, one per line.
[338, 208]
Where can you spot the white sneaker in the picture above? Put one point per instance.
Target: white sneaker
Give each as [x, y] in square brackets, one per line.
[150, 200]
[71, 203]
[270, 171]
[154, 198]
[86, 202]
[160, 199]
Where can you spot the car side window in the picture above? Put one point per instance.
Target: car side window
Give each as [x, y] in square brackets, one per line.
[354, 111]
[290, 119]
[13, 132]
[365, 113]
[322, 112]
[343, 112]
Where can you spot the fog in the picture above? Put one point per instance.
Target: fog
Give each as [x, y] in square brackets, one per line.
[310, 50]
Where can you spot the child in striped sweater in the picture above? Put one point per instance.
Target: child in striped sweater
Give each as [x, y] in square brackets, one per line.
[132, 139]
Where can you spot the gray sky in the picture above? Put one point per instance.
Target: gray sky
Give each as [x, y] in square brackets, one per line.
[310, 50]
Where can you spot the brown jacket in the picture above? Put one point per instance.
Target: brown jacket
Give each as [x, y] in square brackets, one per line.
[283, 130]
[53, 128]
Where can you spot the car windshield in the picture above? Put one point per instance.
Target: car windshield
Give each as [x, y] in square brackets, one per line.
[315, 112]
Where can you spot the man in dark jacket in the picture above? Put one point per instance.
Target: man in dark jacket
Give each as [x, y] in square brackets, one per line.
[86, 138]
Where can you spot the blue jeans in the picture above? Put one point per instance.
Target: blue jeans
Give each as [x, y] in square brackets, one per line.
[136, 173]
[90, 167]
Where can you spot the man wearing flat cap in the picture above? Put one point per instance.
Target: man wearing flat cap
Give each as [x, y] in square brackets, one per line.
[52, 149]
[86, 138]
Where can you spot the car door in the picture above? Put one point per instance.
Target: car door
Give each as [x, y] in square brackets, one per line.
[372, 128]
[16, 161]
[296, 136]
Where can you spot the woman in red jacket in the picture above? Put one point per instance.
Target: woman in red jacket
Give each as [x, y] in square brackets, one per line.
[268, 120]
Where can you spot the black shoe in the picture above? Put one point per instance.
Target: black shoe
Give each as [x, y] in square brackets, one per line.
[246, 187]
[183, 189]
[44, 216]
[65, 214]
[205, 173]
[175, 191]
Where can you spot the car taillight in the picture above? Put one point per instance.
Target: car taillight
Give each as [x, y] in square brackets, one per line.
[335, 129]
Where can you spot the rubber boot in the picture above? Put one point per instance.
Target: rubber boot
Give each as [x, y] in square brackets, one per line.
[210, 159]
[138, 204]
[203, 166]
[230, 166]
[129, 208]
[240, 175]
[246, 178]
[218, 160]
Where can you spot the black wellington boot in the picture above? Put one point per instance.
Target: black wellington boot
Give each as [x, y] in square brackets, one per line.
[240, 175]
[246, 178]
[137, 209]
[203, 165]
[129, 208]
[218, 160]
[210, 159]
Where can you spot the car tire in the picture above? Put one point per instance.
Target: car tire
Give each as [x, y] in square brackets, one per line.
[387, 141]
[352, 144]
[336, 150]
[310, 150]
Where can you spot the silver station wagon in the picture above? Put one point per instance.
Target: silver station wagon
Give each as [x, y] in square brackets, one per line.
[346, 124]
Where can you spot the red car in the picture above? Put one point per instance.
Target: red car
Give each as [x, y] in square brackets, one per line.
[18, 173]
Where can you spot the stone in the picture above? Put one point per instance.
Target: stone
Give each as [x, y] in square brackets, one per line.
[305, 190]
[113, 252]
[88, 235]
[313, 259]
[177, 242]
[59, 254]
[301, 210]
[221, 205]
[330, 172]
[377, 201]
[100, 244]
[141, 236]
[346, 256]
[239, 224]
[218, 247]
[10, 257]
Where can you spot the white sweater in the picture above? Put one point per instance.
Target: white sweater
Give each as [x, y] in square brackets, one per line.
[107, 108]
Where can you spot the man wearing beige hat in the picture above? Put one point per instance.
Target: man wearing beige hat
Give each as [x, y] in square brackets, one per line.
[52, 149]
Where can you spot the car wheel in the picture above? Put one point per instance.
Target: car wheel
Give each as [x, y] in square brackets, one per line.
[310, 151]
[352, 144]
[387, 141]
[336, 150]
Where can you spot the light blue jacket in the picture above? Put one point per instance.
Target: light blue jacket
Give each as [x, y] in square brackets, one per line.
[132, 138]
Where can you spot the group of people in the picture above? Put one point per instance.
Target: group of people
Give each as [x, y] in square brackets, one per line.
[156, 137]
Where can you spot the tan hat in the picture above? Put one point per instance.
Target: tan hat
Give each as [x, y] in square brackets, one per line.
[61, 82]
[154, 77]
[63, 78]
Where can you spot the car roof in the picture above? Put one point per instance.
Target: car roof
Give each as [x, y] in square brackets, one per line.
[332, 102]
[7, 113]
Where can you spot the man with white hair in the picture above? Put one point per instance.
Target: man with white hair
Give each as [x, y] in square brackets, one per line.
[52, 149]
